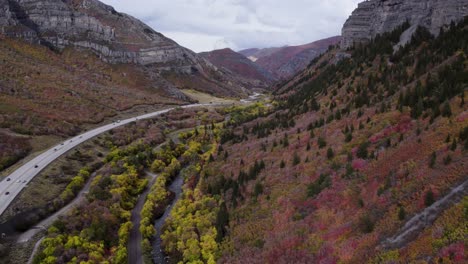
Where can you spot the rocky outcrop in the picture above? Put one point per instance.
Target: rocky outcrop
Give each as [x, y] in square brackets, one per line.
[114, 37]
[90, 24]
[378, 16]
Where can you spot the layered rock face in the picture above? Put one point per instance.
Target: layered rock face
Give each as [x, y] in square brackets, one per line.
[378, 16]
[115, 37]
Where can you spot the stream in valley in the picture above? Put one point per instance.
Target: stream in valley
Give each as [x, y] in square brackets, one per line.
[175, 187]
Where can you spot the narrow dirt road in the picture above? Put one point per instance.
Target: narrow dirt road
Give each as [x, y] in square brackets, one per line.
[418, 222]
[44, 224]
[36, 247]
[135, 254]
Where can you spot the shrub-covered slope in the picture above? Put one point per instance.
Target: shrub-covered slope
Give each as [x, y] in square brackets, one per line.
[356, 146]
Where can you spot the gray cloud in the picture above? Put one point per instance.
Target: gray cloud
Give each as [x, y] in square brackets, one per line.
[203, 25]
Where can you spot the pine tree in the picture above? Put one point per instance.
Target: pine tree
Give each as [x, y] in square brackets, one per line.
[321, 142]
[446, 110]
[296, 159]
[401, 213]
[432, 160]
[454, 145]
[222, 220]
[362, 150]
[330, 153]
[348, 137]
[282, 164]
[429, 198]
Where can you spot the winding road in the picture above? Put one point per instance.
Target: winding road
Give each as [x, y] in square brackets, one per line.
[44, 224]
[12, 185]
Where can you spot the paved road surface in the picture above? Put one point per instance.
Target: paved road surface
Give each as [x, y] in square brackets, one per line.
[13, 184]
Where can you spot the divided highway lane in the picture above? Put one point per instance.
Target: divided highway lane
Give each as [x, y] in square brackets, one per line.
[13, 184]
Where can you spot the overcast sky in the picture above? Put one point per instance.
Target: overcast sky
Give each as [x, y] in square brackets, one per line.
[203, 25]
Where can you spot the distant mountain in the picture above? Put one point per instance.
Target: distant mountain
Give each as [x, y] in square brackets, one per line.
[114, 37]
[238, 64]
[254, 54]
[284, 62]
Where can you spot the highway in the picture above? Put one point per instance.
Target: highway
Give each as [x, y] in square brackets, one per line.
[12, 185]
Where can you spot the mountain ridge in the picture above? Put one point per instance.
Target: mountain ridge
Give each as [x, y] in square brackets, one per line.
[114, 37]
[284, 62]
[240, 65]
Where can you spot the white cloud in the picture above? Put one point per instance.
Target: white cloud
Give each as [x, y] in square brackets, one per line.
[203, 25]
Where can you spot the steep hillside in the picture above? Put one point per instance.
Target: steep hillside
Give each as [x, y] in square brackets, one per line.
[287, 61]
[115, 37]
[378, 16]
[46, 93]
[351, 153]
[239, 64]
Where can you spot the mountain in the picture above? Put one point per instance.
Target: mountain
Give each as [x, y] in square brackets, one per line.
[114, 37]
[360, 157]
[254, 54]
[363, 160]
[284, 62]
[378, 16]
[239, 64]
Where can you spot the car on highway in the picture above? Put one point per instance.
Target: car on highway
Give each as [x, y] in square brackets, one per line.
[7, 193]
[8, 179]
[36, 166]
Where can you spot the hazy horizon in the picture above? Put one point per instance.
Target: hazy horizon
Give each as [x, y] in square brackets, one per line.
[241, 24]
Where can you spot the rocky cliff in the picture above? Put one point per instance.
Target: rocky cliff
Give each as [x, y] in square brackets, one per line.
[115, 37]
[378, 16]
